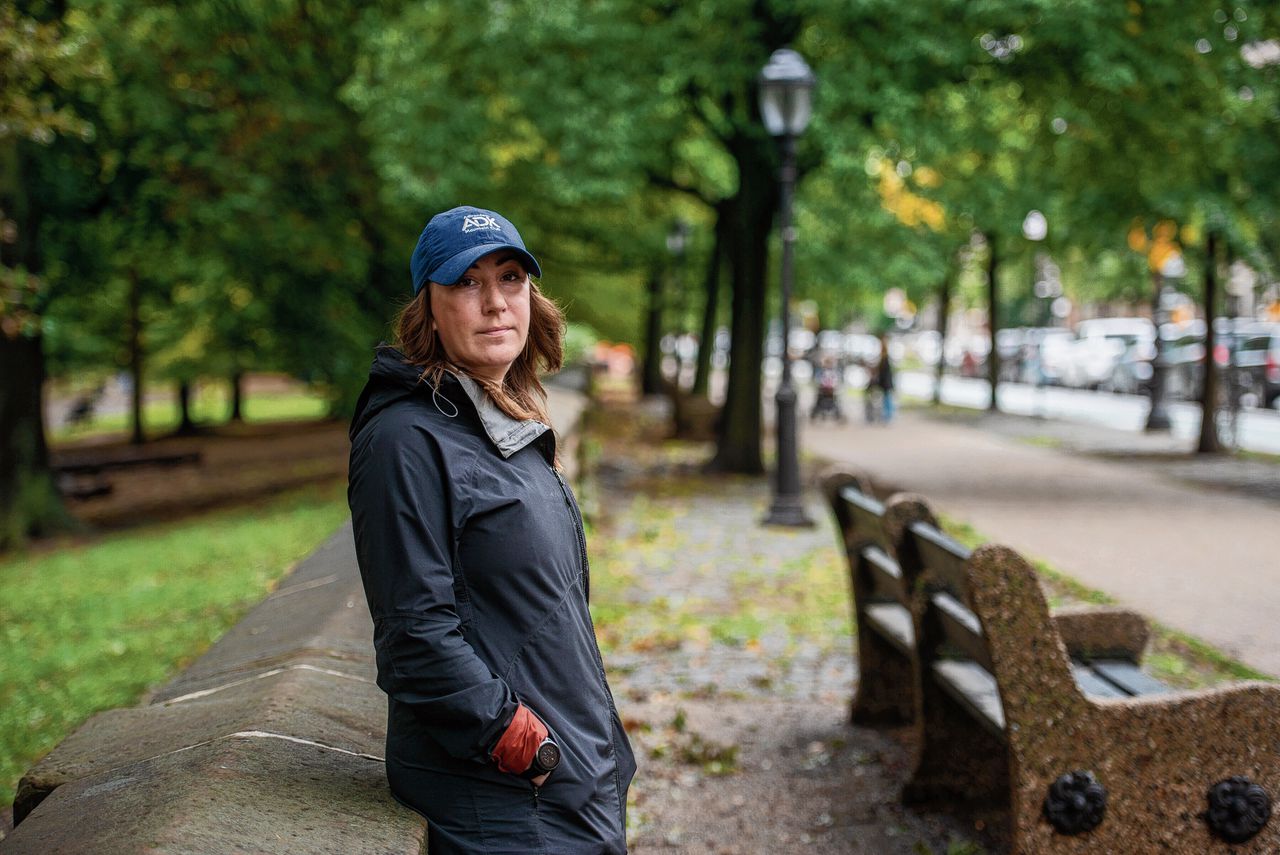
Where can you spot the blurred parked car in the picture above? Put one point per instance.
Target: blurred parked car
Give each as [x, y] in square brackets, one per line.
[1099, 347]
[1252, 346]
[1258, 358]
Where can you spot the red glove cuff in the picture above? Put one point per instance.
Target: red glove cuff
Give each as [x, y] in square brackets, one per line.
[514, 751]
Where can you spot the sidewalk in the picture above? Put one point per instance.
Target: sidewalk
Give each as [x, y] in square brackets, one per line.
[1190, 543]
[730, 654]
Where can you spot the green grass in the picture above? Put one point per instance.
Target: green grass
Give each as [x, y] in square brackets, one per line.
[1260, 456]
[93, 627]
[211, 406]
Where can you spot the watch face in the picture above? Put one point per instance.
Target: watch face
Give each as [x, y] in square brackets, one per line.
[548, 756]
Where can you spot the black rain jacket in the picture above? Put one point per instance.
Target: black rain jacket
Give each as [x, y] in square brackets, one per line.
[474, 563]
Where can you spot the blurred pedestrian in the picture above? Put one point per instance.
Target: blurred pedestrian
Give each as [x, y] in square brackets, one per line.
[880, 386]
[827, 401]
[501, 728]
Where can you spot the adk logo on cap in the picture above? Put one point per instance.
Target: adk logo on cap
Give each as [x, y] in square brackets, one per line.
[475, 222]
[455, 239]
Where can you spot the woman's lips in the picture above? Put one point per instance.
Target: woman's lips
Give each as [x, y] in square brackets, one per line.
[496, 331]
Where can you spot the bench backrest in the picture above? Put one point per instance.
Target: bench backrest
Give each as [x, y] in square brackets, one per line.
[947, 604]
[870, 550]
[952, 649]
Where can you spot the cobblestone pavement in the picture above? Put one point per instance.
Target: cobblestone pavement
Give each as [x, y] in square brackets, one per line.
[730, 654]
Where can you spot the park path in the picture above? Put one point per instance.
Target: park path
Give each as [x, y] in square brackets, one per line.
[1192, 555]
[730, 654]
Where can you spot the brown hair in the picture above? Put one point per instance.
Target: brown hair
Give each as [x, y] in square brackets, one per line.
[520, 394]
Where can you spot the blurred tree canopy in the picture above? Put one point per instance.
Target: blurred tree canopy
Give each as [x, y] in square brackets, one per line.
[208, 187]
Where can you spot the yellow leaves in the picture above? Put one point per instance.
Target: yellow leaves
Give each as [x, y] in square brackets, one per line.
[898, 199]
[927, 176]
[1161, 246]
[1133, 26]
[240, 296]
[1137, 236]
[520, 141]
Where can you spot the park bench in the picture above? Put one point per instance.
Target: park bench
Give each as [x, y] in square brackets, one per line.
[84, 476]
[1051, 715]
[884, 694]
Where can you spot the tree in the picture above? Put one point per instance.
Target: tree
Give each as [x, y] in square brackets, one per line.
[40, 58]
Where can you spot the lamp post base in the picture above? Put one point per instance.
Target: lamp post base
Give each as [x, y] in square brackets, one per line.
[1158, 415]
[788, 505]
[788, 511]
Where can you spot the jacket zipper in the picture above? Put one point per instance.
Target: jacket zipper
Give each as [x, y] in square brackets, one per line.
[576, 514]
[582, 537]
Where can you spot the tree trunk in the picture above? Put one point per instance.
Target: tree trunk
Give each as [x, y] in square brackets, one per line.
[135, 357]
[944, 304]
[750, 214]
[993, 321]
[651, 364]
[707, 338]
[29, 501]
[30, 504]
[186, 425]
[1209, 443]
[237, 396]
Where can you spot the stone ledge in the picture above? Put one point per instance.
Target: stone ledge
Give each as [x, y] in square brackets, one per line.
[301, 703]
[243, 793]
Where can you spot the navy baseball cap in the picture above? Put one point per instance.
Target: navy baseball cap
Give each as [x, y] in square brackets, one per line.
[457, 238]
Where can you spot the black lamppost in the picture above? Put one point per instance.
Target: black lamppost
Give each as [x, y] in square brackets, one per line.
[676, 240]
[1161, 308]
[786, 89]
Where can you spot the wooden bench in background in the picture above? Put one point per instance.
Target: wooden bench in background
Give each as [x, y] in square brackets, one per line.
[1052, 714]
[83, 476]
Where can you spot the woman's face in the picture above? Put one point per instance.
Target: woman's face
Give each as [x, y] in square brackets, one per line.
[483, 319]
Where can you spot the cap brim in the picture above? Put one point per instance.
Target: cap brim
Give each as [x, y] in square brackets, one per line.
[451, 271]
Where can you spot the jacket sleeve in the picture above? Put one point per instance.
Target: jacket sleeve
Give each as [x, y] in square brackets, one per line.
[401, 508]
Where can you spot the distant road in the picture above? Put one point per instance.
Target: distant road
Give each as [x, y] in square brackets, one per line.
[1259, 429]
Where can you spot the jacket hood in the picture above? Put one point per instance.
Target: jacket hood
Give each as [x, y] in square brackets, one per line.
[390, 379]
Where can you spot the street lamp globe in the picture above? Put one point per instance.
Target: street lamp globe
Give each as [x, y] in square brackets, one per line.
[786, 94]
[1035, 226]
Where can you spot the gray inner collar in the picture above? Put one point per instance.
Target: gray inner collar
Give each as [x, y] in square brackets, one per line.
[508, 434]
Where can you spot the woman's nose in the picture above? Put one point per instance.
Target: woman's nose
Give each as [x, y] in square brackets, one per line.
[494, 300]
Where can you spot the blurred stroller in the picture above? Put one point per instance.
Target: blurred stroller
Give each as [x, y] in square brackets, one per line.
[827, 404]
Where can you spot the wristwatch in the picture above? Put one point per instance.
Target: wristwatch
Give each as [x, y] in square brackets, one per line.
[545, 759]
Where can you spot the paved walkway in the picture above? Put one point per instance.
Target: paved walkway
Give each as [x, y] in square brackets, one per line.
[1192, 544]
[730, 655]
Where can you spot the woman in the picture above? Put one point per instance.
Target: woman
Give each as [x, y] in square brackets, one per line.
[501, 727]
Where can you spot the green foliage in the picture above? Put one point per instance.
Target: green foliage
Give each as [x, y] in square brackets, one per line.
[259, 171]
[579, 342]
[92, 628]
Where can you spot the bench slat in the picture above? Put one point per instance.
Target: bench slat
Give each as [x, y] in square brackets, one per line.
[1129, 677]
[886, 576]
[960, 628]
[1093, 685]
[941, 555]
[975, 688]
[894, 623]
[867, 516]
